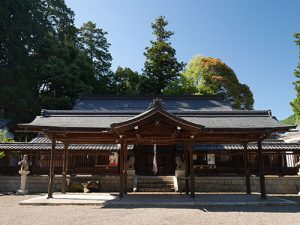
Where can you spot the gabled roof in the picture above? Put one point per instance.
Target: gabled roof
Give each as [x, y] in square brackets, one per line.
[154, 112]
[102, 120]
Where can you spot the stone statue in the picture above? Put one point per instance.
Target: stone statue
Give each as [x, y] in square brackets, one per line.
[24, 163]
[179, 163]
[180, 169]
[130, 166]
[130, 163]
[24, 171]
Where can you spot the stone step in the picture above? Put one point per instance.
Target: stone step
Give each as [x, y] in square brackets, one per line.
[154, 177]
[156, 190]
[156, 185]
[155, 181]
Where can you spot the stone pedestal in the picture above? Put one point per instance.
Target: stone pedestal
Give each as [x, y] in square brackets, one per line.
[23, 190]
[130, 172]
[179, 173]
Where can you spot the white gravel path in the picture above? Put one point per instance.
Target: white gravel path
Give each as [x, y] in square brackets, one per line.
[13, 214]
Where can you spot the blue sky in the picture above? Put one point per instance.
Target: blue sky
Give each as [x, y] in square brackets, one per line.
[253, 37]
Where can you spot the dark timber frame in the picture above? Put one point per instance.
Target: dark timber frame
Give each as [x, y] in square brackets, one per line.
[156, 125]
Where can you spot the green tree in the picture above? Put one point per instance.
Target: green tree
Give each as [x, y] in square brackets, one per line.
[21, 32]
[126, 82]
[296, 102]
[161, 66]
[64, 70]
[210, 76]
[93, 42]
[4, 139]
[40, 64]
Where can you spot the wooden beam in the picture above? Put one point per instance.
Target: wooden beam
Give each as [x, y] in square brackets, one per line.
[247, 173]
[192, 175]
[261, 171]
[186, 162]
[51, 173]
[125, 167]
[64, 169]
[121, 167]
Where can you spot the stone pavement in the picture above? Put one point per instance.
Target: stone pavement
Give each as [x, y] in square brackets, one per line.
[157, 200]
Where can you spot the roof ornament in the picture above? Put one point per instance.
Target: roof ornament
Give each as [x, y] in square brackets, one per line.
[157, 103]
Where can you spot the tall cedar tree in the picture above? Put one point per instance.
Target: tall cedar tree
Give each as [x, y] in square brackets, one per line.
[40, 64]
[93, 42]
[161, 66]
[64, 70]
[21, 32]
[296, 102]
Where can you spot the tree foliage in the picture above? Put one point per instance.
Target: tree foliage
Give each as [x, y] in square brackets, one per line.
[210, 76]
[46, 62]
[19, 38]
[93, 42]
[291, 120]
[126, 82]
[41, 63]
[161, 66]
[296, 102]
[4, 139]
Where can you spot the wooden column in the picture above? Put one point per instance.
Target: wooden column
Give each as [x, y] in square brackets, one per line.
[191, 161]
[64, 169]
[121, 167]
[247, 172]
[186, 162]
[261, 171]
[51, 173]
[125, 168]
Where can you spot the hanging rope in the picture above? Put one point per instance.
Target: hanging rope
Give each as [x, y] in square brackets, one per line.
[155, 170]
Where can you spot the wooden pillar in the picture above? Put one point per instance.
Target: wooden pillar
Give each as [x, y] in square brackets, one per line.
[261, 171]
[121, 167]
[186, 162]
[51, 173]
[192, 176]
[64, 169]
[125, 168]
[247, 172]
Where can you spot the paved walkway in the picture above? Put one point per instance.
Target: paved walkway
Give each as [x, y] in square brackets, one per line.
[157, 200]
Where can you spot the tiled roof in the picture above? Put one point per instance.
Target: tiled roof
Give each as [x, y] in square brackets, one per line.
[212, 120]
[267, 146]
[140, 104]
[43, 143]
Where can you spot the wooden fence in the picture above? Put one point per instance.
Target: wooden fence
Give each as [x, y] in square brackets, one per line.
[233, 162]
[205, 162]
[79, 162]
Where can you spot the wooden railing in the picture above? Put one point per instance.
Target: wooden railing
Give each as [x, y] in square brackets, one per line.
[233, 162]
[205, 163]
[79, 162]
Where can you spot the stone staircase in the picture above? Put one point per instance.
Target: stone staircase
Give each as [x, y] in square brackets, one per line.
[155, 184]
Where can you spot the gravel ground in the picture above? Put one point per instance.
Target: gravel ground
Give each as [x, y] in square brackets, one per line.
[13, 214]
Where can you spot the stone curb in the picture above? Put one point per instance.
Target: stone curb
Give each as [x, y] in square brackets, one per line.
[284, 202]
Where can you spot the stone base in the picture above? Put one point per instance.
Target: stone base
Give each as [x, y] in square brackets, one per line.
[130, 172]
[179, 173]
[22, 192]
